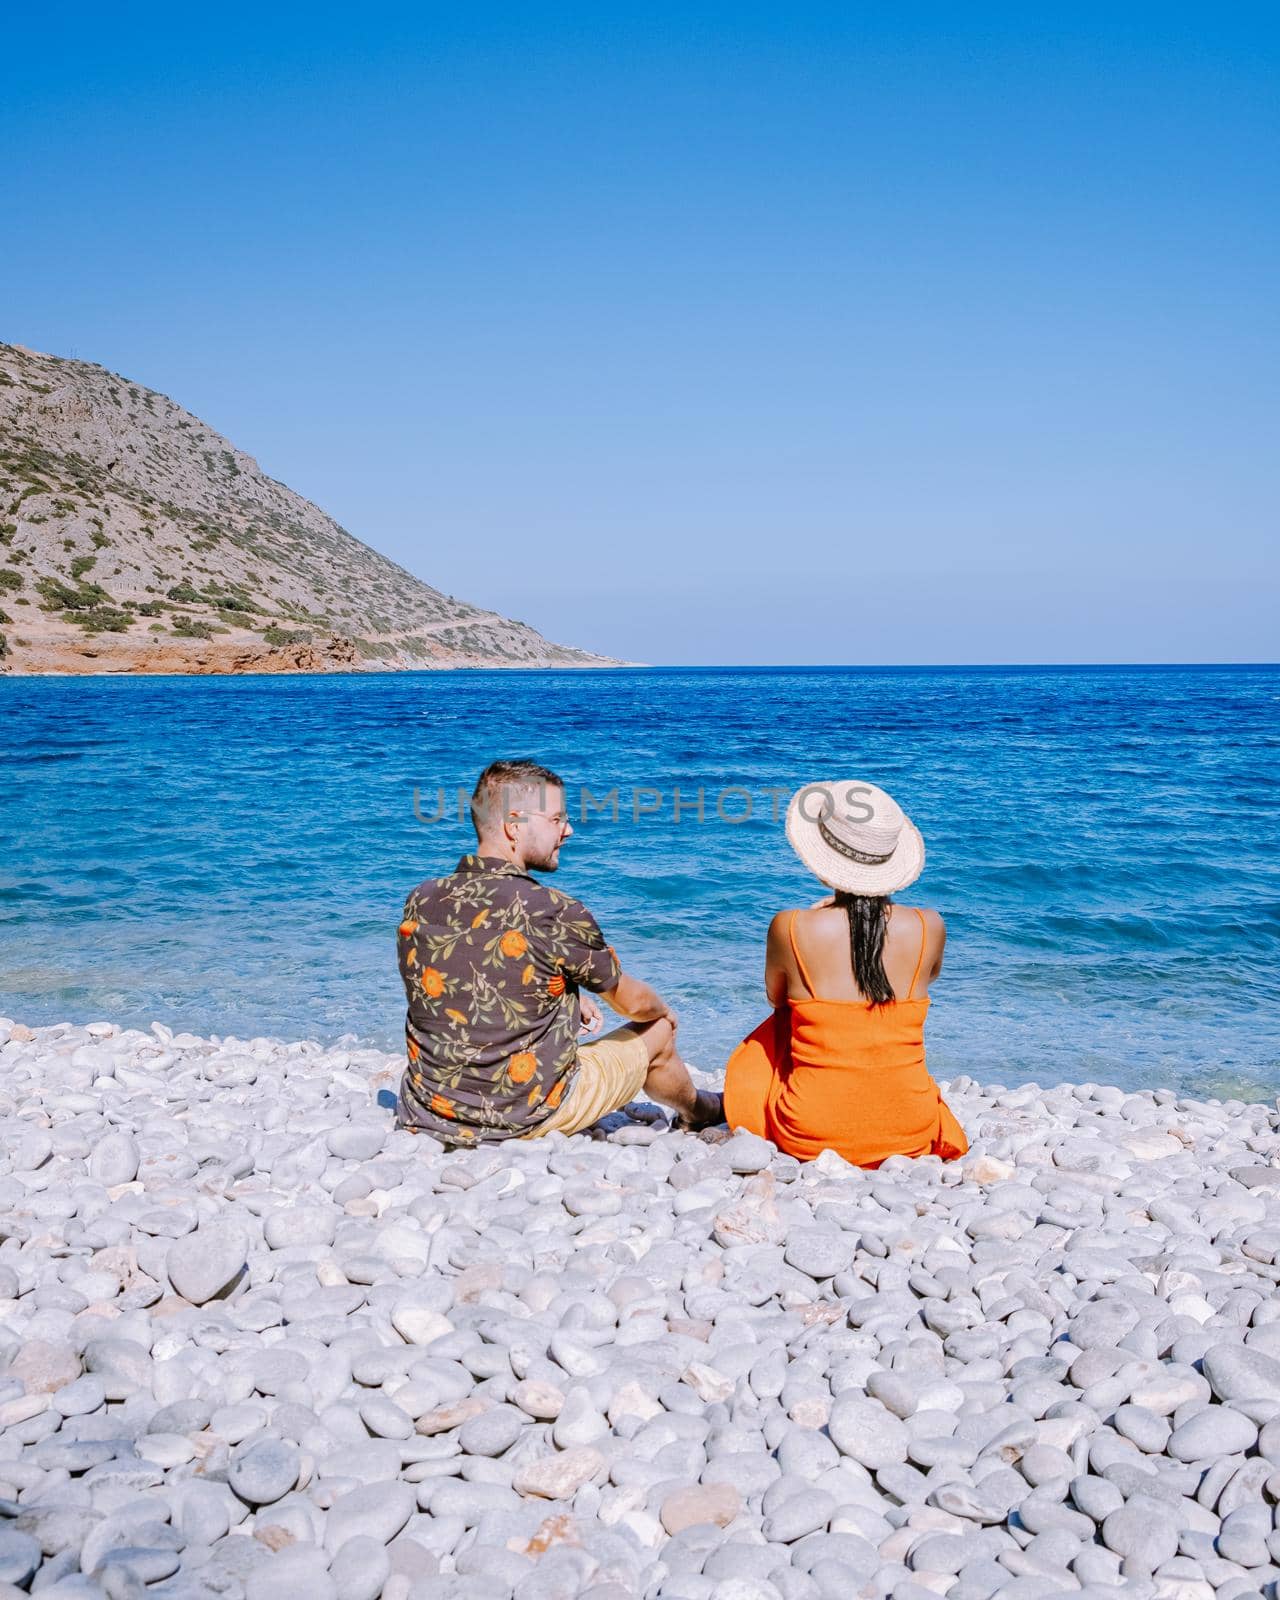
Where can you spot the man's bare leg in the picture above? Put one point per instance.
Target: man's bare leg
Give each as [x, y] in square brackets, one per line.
[669, 1083]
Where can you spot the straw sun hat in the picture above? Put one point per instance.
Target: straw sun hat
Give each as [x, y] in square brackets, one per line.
[854, 837]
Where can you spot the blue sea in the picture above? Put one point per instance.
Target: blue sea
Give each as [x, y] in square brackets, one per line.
[230, 855]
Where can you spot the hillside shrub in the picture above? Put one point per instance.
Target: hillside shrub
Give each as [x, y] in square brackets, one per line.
[57, 596]
[100, 619]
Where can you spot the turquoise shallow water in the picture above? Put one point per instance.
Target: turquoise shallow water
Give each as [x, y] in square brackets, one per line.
[230, 855]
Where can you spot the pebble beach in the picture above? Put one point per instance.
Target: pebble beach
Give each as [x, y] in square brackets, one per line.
[256, 1342]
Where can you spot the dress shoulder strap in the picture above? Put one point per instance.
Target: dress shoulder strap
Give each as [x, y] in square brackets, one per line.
[924, 939]
[799, 959]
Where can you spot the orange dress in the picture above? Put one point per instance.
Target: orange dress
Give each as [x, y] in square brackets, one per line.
[842, 1075]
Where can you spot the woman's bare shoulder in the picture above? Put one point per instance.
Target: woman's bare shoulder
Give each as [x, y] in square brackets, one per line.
[936, 927]
[803, 915]
[814, 908]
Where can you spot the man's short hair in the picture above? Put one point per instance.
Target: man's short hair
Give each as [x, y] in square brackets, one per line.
[499, 778]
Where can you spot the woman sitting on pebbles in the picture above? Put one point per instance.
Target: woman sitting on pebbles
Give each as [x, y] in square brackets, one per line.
[840, 1063]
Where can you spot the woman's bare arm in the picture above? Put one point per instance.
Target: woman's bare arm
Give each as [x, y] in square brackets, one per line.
[942, 944]
[776, 984]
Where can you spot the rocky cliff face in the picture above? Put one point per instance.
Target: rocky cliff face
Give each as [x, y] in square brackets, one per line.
[133, 538]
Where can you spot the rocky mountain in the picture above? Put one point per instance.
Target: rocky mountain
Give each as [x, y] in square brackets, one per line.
[133, 538]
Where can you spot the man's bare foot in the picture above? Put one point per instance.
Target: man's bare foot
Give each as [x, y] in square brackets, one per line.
[708, 1110]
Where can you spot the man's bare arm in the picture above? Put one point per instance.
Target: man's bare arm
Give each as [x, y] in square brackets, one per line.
[637, 1001]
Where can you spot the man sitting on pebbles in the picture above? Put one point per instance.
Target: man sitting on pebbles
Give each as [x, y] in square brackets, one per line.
[494, 964]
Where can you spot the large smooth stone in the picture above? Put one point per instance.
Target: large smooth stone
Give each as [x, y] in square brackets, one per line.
[114, 1160]
[696, 1504]
[361, 1568]
[1215, 1431]
[264, 1470]
[492, 1432]
[1143, 1532]
[301, 1226]
[747, 1153]
[357, 1141]
[44, 1367]
[819, 1252]
[375, 1510]
[207, 1263]
[865, 1431]
[294, 1574]
[20, 1555]
[558, 1477]
[1236, 1372]
[798, 1515]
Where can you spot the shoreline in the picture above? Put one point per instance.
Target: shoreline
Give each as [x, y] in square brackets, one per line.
[258, 1342]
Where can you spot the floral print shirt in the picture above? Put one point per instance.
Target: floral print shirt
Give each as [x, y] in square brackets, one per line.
[492, 962]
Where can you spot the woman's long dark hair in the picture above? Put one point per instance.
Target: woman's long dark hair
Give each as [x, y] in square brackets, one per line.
[868, 918]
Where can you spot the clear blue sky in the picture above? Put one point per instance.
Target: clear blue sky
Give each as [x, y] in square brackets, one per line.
[692, 334]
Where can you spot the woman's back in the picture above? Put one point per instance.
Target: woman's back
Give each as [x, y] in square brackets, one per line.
[811, 948]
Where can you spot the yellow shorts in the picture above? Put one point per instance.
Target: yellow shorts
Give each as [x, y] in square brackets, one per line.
[611, 1072]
